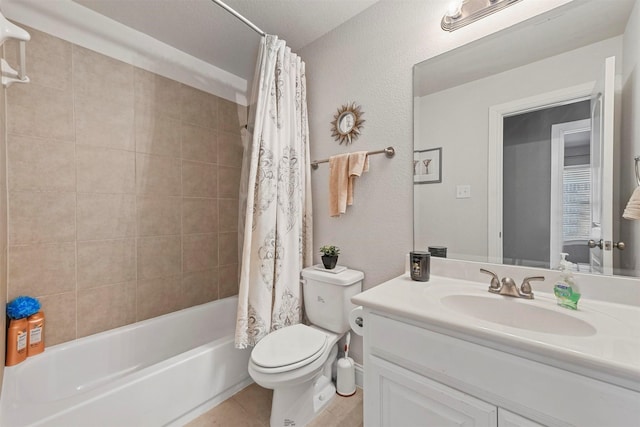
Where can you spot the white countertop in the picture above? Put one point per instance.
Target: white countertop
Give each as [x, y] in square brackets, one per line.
[611, 353]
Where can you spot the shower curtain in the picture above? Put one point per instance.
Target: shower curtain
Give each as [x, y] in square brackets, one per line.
[277, 218]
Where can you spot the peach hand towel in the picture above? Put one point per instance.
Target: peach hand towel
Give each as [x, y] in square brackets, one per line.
[358, 164]
[632, 211]
[338, 184]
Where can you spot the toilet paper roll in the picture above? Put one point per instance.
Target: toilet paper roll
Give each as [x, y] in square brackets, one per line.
[356, 320]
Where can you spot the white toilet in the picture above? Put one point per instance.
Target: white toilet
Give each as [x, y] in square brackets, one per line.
[296, 361]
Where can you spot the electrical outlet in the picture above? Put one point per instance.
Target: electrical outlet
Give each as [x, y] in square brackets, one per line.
[463, 192]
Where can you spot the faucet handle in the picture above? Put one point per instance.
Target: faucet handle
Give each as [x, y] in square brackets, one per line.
[495, 281]
[525, 288]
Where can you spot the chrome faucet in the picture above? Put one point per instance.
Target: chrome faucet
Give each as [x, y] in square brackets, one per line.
[507, 286]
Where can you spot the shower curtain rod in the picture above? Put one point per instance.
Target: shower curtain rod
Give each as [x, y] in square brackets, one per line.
[240, 17]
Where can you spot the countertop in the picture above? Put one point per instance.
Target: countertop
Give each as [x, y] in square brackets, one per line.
[611, 352]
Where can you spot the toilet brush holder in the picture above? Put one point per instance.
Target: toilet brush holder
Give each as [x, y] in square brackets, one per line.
[346, 382]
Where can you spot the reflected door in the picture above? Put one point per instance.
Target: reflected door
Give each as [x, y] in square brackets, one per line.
[602, 139]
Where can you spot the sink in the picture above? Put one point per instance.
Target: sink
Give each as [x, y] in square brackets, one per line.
[518, 314]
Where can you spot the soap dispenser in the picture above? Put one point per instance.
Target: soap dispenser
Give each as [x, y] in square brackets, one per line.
[565, 289]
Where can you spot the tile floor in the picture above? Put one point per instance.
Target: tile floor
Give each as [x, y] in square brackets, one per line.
[252, 407]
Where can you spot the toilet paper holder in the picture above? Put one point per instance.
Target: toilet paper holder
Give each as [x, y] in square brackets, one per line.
[359, 321]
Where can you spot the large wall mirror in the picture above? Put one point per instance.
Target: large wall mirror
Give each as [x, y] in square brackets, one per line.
[536, 127]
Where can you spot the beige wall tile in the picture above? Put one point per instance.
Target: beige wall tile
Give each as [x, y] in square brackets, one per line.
[100, 77]
[103, 95]
[155, 297]
[40, 111]
[228, 214]
[198, 107]
[228, 280]
[102, 262]
[199, 143]
[199, 179]
[103, 170]
[158, 175]
[199, 287]
[157, 133]
[48, 59]
[231, 116]
[60, 317]
[156, 93]
[159, 257]
[199, 216]
[103, 123]
[39, 270]
[228, 248]
[106, 216]
[106, 307]
[41, 217]
[230, 149]
[159, 216]
[228, 182]
[199, 252]
[37, 164]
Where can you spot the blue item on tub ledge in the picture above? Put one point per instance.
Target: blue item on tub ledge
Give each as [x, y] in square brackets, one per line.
[22, 307]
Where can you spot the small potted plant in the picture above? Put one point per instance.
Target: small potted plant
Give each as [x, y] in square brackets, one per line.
[330, 256]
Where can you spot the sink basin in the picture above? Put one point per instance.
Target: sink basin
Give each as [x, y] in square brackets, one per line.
[518, 314]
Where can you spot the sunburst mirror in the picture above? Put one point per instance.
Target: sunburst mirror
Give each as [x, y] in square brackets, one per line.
[347, 123]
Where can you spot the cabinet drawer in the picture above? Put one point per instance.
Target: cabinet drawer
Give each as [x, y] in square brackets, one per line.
[549, 395]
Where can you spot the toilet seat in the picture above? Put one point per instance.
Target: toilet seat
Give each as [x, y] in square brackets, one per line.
[288, 348]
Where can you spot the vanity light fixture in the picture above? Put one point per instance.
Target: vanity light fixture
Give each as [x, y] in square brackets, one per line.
[464, 12]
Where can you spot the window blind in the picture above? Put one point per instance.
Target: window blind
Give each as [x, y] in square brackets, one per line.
[576, 218]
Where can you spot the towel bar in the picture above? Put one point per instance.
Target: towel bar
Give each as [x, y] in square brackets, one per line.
[389, 152]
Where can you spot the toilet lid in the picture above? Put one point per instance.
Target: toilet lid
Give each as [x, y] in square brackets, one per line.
[291, 347]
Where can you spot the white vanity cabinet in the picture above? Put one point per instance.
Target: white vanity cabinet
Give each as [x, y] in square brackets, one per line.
[420, 375]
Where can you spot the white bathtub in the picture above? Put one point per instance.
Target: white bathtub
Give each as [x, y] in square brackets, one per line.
[162, 371]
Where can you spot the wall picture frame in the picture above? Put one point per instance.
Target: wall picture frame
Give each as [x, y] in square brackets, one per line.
[427, 166]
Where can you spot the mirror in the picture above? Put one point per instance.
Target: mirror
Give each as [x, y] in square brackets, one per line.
[347, 123]
[536, 142]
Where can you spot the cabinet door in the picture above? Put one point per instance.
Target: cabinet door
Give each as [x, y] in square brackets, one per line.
[509, 419]
[404, 398]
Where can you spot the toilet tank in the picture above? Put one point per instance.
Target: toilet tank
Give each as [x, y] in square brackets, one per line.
[327, 297]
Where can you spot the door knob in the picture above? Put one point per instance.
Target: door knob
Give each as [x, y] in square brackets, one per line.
[592, 243]
[608, 244]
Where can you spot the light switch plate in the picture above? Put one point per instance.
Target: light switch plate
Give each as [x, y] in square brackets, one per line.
[463, 192]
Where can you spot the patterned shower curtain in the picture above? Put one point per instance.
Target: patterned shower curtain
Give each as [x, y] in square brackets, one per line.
[277, 222]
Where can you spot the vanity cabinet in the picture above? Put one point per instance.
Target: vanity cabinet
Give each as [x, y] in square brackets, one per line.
[420, 375]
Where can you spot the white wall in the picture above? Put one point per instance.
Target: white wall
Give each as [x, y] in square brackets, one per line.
[369, 60]
[630, 138]
[462, 129]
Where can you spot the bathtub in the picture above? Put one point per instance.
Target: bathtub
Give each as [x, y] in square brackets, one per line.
[159, 372]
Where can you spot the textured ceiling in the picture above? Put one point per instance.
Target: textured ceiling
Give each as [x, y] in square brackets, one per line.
[204, 30]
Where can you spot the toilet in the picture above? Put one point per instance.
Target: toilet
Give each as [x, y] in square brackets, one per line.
[296, 361]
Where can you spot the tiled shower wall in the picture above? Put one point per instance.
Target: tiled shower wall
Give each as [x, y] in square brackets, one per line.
[123, 190]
